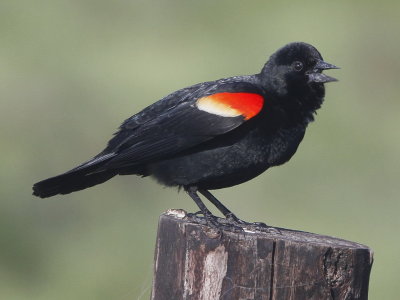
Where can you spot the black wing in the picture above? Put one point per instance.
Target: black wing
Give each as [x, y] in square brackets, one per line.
[153, 134]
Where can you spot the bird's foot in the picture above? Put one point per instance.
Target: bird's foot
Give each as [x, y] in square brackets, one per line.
[215, 223]
[231, 223]
[253, 226]
[196, 214]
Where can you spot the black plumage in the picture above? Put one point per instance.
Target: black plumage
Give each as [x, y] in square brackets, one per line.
[205, 137]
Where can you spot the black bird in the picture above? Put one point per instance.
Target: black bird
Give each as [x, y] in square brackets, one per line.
[214, 134]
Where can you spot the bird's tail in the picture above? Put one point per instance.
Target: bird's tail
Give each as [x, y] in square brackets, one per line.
[85, 175]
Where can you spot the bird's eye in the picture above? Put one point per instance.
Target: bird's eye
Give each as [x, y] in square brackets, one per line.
[298, 66]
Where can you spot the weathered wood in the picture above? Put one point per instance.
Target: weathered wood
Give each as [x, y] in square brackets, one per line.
[194, 262]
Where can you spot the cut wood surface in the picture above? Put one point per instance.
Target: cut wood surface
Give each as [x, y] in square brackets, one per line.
[194, 262]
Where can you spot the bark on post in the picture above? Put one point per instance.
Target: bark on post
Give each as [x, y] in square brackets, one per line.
[194, 262]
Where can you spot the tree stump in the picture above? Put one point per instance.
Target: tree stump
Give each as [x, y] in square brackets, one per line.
[194, 262]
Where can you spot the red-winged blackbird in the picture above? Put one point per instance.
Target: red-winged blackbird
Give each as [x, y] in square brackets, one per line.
[214, 134]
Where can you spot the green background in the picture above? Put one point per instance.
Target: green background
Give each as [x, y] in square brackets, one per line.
[72, 70]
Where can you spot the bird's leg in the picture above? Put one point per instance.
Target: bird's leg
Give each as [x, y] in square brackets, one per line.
[222, 208]
[210, 218]
[230, 216]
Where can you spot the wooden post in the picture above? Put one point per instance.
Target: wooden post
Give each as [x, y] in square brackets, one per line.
[196, 263]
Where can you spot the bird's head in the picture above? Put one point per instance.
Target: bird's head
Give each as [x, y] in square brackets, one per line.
[296, 68]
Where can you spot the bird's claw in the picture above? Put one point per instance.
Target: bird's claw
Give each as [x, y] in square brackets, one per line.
[221, 224]
[232, 223]
[196, 214]
[253, 226]
[214, 222]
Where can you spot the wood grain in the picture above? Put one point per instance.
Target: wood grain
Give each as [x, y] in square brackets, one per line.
[194, 262]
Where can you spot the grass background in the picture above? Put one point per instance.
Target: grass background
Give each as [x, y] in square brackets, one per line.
[71, 71]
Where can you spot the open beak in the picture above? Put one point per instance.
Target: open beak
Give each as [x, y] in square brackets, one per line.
[317, 76]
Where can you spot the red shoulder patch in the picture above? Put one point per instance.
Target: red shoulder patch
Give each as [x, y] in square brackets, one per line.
[232, 104]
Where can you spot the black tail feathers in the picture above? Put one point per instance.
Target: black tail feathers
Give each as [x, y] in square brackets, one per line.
[79, 178]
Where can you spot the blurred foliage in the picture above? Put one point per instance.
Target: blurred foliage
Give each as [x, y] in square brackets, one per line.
[71, 71]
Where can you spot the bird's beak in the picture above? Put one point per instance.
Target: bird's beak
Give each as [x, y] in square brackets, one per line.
[317, 76]
[321, 65]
